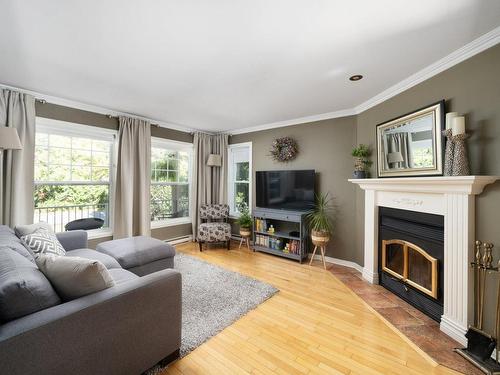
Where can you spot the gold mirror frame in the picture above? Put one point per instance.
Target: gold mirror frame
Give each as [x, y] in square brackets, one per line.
[437, 110]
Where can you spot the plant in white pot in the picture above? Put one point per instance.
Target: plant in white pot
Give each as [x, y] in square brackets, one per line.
[361, 162]
[320, 222]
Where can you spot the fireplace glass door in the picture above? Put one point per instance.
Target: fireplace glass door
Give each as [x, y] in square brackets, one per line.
[410, 264]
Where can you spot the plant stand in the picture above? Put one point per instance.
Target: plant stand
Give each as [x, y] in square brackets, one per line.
[246, 240]
[323, 250]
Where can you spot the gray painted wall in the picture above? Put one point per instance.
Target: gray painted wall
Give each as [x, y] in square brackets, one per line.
[61, 113]
[324, 146]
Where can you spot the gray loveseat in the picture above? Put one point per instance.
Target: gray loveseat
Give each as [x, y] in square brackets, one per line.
[125, 329]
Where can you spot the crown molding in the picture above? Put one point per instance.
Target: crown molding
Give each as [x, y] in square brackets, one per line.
[478, 45]
[295, 121]
[96, 109]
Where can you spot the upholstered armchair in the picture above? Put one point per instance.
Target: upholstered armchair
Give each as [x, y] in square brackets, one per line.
[214, 226]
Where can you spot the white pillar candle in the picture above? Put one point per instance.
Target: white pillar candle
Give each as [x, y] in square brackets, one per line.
[458, 125]
[449, 118]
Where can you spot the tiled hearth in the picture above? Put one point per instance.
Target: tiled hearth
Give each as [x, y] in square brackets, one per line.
[415, 325]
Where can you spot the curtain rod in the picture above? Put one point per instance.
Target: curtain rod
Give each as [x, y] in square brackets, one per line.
[43, 101]
[116, 117]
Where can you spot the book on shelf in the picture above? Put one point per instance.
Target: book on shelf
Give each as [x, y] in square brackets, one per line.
[260, 225]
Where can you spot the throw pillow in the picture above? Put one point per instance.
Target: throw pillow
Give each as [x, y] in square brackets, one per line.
[9, 239]
[23, 288]
[43, 241]
[74, 277]
[24, 230]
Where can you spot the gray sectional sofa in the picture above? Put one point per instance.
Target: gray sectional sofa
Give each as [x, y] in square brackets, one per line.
[125, 329]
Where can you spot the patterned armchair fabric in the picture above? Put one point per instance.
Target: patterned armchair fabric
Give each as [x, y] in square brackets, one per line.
[214, 211]
[214, 231]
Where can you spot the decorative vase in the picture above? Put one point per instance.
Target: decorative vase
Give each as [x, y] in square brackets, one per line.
[359, 174]
[449, 153]
[460, 159]
[359, 168]
[320, 238]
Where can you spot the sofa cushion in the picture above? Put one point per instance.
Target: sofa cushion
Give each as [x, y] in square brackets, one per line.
[43, 241]
[120, 275]
[10, 240]
[74, 277]
[24, 230]
[23, 288]
[136, 251]
[105, 259]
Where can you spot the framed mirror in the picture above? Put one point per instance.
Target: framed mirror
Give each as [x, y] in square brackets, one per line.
[412, 145]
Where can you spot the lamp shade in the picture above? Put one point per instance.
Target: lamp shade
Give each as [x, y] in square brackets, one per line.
[9, 139]
[214, 160]
[395, 157]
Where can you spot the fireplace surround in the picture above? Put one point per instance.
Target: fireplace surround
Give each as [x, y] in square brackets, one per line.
[454, 199]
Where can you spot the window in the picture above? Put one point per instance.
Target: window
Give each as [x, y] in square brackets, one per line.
[73, 173]
[170, 181]
[239, 176]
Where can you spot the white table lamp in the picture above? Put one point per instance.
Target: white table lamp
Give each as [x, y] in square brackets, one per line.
[214, 160]
[9, 140]
[394, 157]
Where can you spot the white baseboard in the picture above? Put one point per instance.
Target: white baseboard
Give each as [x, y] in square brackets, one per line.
[178, 240]
[371, 277]
[340, 262]
[453, 330]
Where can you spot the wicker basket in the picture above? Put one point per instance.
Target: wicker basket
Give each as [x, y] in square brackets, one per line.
[320, 238]
[245, 232]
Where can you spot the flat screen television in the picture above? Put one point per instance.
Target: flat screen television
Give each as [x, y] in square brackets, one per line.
[285, 190]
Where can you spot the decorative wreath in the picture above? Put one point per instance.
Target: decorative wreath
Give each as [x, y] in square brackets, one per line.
[284, 149]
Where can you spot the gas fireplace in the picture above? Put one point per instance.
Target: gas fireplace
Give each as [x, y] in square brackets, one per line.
[411, 255]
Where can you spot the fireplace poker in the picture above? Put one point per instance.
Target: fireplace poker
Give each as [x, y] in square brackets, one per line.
[476, 265]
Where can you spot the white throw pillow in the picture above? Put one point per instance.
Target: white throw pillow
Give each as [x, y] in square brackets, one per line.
[24, 230]
[43, 241]
[74, 277]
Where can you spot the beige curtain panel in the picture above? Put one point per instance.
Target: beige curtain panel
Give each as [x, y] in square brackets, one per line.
[132, 214]
[17, 110]
[209, 183]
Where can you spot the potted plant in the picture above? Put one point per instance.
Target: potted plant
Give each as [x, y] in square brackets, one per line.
[320, 220]
[245, 220]
[361, 162]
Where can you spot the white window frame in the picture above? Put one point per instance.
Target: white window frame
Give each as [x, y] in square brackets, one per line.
[231, 151]
[72, 129]
[168, 144]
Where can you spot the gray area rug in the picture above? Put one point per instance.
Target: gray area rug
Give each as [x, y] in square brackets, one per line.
[212, 299]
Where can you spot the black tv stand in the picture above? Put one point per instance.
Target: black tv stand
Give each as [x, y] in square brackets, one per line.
[283, 222]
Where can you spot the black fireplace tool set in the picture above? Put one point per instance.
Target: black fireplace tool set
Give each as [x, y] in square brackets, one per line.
[480, 344]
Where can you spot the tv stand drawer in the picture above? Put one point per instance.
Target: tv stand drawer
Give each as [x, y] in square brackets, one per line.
[278, 215]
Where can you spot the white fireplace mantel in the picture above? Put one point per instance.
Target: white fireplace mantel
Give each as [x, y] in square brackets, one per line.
[452, 197]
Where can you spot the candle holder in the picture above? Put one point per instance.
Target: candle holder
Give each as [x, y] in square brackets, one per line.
[460, 158]
[448, 154]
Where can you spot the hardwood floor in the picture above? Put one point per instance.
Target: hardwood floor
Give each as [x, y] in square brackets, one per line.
[314, 325]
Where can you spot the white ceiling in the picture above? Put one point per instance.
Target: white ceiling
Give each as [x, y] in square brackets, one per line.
[222, 65]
